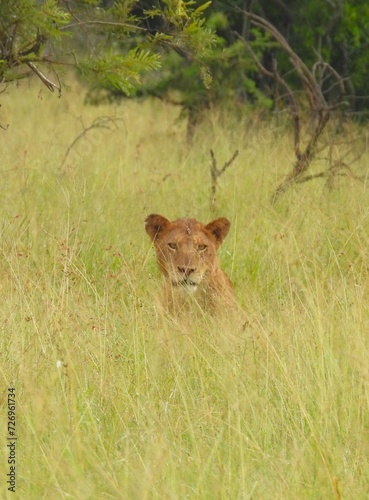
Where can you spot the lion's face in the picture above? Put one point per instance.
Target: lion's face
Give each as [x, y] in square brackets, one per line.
[185, 248]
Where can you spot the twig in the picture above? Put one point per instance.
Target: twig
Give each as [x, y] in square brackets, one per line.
[216, 173]
[305, 159]
[103, 23]
[103, 122]
[333, 171]
[48, 83]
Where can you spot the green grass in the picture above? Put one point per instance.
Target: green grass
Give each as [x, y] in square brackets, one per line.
[115, 402]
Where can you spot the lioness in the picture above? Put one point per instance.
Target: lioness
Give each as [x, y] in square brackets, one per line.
[186, 252]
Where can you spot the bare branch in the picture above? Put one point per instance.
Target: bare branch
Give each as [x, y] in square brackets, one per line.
[216, 173]
[304, 161]
[305, 74]
[330, 72]
[102, 23]
[102, 122]
[48, 83]
[293, 108]
[332, 172]
[325, 91]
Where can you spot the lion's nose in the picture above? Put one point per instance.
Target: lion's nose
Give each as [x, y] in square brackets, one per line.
[186, 270]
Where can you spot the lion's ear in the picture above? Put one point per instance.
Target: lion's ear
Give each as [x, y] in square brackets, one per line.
[154, 224]
[219, 228]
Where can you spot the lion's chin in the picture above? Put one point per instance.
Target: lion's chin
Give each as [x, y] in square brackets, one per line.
[186, 284]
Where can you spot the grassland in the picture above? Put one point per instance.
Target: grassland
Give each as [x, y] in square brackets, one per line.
[116, 402]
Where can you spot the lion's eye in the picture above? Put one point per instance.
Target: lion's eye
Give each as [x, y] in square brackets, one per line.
[201, 248]
[172, 246]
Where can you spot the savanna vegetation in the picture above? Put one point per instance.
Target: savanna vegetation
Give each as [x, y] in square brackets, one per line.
[199, 110]
[114, 401]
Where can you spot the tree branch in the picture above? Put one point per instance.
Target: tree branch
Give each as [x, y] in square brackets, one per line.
[48, 83]
[323, 87]
[102, 23]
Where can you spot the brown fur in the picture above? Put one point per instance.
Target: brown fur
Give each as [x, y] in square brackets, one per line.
[186, 252]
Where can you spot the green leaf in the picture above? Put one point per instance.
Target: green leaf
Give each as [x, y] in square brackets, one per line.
[201, 8]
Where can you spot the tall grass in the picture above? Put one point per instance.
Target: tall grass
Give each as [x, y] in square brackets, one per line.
[115, 402]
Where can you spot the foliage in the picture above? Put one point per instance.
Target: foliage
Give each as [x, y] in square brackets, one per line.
[219, 72]
[335, 32]
[106, 41]
[197, 45]
[121, 72]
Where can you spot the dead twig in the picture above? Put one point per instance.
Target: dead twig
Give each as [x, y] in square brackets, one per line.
[338, 169]
[101, 122]
[48, 83]
[324, 89]
[304, 159]
[215, 173]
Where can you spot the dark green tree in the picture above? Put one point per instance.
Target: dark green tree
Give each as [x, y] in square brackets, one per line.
[335, 31]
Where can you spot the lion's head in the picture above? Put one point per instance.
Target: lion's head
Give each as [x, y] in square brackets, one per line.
[185, 248]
